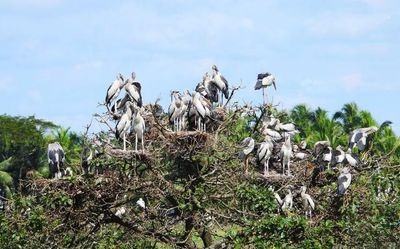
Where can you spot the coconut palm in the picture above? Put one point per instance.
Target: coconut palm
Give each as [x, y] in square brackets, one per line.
[349, 116]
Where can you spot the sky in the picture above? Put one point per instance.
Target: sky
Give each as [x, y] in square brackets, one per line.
[58, 57]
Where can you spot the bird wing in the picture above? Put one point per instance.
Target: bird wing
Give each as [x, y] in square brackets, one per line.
[137, 85]
[310, 201]
[112, 91]
[258, 85]
[262, 151]
[273, 82]
[344, 181]
[278, 199]
[225, 90]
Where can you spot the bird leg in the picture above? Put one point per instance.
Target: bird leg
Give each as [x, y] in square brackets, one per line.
[266, 167]
[263, 95]
[246, 166]
[124, 142]
[142, 143]
[136, 142]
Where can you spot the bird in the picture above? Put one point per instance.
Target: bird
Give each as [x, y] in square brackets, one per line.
[277, 197]
[264, 153]
[320, 146]
[287, 202]
[56, 159]
[300, 155]
[308, 202]
[114, 89]
[338, 156]
[119, 105]
[358, 137]
[200, 109]
[351, 158]
[284, 127]
[344, 181]
[247, 146]
[327, 156]
[264, 80]
[138, 127]
[86, 158]
[269, 121]
[140, 202]
[174, 109]
[120, 212]
[276, 136]
[303, 145]
[221, 82]
[124, 123]
[133, 90]
[285, 154]
[208, 88]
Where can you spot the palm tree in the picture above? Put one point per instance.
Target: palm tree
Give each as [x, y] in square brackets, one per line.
[303, 117]
[70, 141]
[349, 117]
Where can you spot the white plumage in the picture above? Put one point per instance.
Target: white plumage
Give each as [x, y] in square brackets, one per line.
[220, 82]
[247, 146]
[264, 153]
[287, 202]
[285, 154]
[114, 89]
[344, 181]
[141, 203]
[358, 138]
[138, 127]
[308, 202]
[124, 123]
[264, 80]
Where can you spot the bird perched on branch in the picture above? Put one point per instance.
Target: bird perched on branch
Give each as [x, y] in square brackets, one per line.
[338, 156]
[264, 153]
[247, 146]
[264, 80]
[133, 90]
[200, 109]
[221, 83]
[358, 137]
[138, 127]
[308, 202]
[344, 181]
[114, 89]
[124, 123]
[56, 159]
[285, 155]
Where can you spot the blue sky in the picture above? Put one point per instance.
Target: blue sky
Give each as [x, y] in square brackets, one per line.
[58, 57]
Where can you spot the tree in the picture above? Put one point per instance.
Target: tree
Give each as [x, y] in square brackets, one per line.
[349, 117]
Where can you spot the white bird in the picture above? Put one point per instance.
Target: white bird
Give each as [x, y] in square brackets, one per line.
[351, 158]
[303, 145]
[200, 108]
[221, 83]
[120, 212]
[276, 136]
[133, 90]
[269, 121]
[264, 153]
[119, 105]
[141, 203]
[114, 89]
[285, 155]
[177, 110]
[327, 156]
[308, 202]
[344, 181]
[277, 197]
[289, 127]
[56, 159]
[287, 202]
[338, 155]
[138, 127]
[247, 146]
[300, 155]
[358, 137]
[264, 80]
[124, 123]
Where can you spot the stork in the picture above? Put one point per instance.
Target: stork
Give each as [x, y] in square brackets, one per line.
[344, 181]
[114, 89]
[140, 202]
[138, 127]
[247, 146]
[264, 153]
[285, 154]
[264, 80]
[133, 90]
[358, 137]
[200, 108]
[276, 136]
[320, 146]
[120, 104]
[277, 197]
[308, 202]
[338, 155]
[351, 158]
[287, 202]
[221, 83]
[56, 159]
[327, 156]
[269, 121]
[124, 123]
[176, 109]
